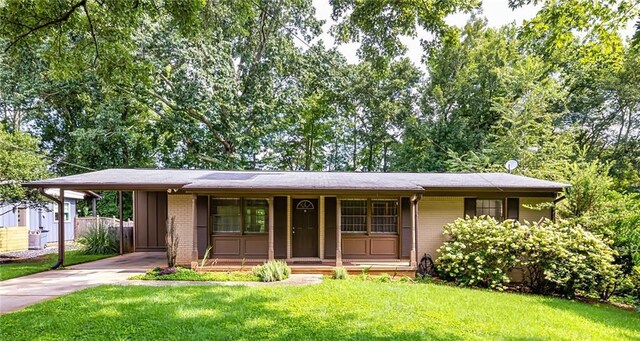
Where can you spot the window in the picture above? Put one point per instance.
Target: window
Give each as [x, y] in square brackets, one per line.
[375, 216]
[491, 208]
[225, 215]
[384, 216]
[67, 212]
[353, 215]
[256, 215]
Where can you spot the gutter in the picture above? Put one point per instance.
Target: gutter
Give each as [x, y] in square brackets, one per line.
[60, 202]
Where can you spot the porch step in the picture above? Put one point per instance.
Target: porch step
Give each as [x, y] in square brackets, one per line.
[323, 269]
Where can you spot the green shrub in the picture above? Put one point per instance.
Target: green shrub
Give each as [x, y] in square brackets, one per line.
[407, 279]
[480, 252]
[99, 240]
[554, 258]
[565, 258]
[272, 271]
[383, 278]
[339, 273]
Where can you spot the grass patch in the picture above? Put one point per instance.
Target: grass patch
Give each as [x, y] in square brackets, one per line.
[184, 274]
[44, 263]
[332, 310]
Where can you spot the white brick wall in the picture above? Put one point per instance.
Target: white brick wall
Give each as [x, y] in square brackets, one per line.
[180, 206]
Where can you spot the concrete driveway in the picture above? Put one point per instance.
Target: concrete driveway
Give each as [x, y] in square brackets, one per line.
[20, 292]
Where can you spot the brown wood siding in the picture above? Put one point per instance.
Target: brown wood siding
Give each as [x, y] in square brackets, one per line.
[140, 219]
[150, 220]
[405, 221]
[280, 227]
[330, 205]
[362, 246]
[202, 214]
[240, 246]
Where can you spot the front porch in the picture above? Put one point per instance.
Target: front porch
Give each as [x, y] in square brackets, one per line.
[395, 268]
[311, 233]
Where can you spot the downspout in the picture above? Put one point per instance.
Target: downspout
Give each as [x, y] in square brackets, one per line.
[60, 202]
[553, 209]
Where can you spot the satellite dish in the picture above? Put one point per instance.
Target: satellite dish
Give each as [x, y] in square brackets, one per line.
[511, 165]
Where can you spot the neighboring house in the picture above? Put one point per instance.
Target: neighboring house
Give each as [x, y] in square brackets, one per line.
[323, 217]
[45, 217]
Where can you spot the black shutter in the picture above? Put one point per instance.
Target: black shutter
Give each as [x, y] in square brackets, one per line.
[513, 208]
[470, 207]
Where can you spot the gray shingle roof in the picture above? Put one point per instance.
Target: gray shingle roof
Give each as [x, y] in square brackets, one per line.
[159, 179]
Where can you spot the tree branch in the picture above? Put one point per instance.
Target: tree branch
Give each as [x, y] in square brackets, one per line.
[93, 33]
[228, 147]
[61, 19]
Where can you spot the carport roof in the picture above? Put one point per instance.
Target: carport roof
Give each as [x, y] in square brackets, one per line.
[212, 180]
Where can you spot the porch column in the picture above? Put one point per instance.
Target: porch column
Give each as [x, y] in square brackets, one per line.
[338, 233]
[194, 218]
[289, 227]
[412, 257]
[271, 250]
[121, 223]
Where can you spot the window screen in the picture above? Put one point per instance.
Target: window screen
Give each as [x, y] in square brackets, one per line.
[353, 215]
[384, 216]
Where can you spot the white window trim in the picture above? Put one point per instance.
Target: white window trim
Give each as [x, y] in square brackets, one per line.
[67, 211]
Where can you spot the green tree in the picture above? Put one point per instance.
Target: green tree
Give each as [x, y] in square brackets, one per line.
[20, 161]
[378, 25]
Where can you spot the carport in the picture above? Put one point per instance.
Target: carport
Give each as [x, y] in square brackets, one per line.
[149, 204]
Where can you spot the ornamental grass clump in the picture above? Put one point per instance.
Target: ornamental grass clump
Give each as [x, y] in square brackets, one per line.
[272, 271]
[339, 273]
[99, 240]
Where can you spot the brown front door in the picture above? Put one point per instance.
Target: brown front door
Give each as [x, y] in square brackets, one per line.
[304, 227]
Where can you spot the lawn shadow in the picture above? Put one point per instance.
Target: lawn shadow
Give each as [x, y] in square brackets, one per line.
[227, 313]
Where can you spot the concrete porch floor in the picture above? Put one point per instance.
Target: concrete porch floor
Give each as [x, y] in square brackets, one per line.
[17, 293]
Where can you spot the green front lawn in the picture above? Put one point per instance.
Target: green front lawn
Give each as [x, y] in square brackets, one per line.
[331, 310]
[43, 263]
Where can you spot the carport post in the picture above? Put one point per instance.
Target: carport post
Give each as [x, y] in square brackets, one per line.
[60, 202]
[121, 223]
[61, 229]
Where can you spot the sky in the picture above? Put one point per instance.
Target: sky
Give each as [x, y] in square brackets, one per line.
[497, 13]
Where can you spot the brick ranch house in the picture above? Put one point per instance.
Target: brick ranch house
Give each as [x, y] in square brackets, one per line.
[328, 218]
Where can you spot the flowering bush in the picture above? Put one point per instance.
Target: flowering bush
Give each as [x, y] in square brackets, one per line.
[565, 258]
[554, 258]
[480, 251]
